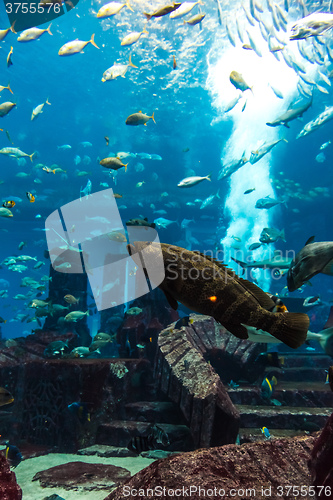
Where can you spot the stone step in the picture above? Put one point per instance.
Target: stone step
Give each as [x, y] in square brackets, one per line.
[283, 417]
[120, 432]
[299, 374]
[306, 360]
[154, 411]
[253, 434]
[316, 394]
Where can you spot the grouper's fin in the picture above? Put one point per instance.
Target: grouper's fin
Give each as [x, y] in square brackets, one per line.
[264, 300]
[294, 329]
[172, 302]
[220, 264]
[237, 330]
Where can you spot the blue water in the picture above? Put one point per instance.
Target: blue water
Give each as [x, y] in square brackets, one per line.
[85, 109]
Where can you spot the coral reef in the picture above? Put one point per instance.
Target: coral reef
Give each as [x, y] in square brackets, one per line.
[9, 489]
[119, 369]
[320, 463]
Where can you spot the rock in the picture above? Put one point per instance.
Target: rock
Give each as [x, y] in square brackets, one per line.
[106, 451]
[189, 381]
[9, 489]
[32, 451]
[279, 462]
[81, 475]
[157, 454]
[320, 463]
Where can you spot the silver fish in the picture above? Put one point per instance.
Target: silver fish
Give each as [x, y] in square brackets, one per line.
[289, 115]
[276, 91]
[311, 25]
[232, 167]
[318, 122]
[254, 45]
[267, 203]
[263, 150]
[192, 181]
[230, 35]
[276, 262]
[271, 235]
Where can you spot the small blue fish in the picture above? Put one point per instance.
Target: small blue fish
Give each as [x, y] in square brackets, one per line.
[184, 321]
[128, 348]
[267, 387]
[13, 455]
[81, 411]
[266, 432]
[327, 381]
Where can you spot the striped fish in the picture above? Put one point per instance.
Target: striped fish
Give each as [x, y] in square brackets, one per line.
[156, 436]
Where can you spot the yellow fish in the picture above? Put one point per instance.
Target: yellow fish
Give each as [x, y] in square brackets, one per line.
[112, 8]
[76, 46]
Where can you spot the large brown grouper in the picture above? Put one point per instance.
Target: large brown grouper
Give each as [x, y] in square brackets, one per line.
[208, 287]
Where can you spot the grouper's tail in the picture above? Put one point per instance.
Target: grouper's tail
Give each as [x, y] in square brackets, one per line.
[290, 328]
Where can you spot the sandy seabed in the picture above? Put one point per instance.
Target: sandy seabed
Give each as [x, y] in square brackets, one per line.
[33, 491]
